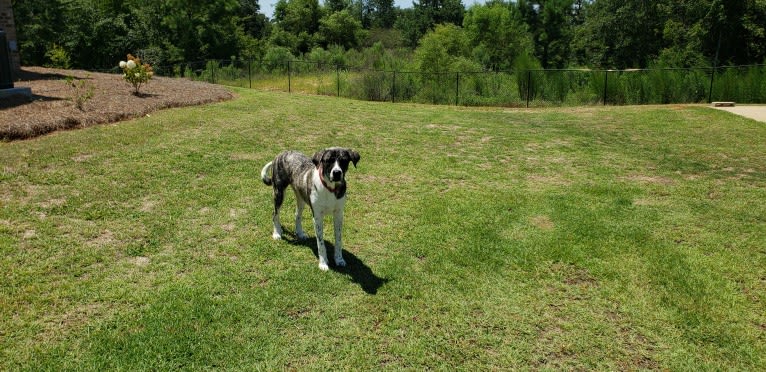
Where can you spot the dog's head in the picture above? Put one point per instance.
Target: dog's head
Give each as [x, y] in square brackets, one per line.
[334, 162]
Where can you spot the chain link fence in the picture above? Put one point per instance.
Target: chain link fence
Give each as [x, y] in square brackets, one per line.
[524, 88]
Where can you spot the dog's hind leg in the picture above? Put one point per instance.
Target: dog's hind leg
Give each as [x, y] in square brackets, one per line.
[299, 233]
[279, 197]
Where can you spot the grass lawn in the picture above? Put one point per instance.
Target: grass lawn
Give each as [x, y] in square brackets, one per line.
[607, 238]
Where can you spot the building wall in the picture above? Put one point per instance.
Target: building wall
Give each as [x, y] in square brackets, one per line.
[7, 25]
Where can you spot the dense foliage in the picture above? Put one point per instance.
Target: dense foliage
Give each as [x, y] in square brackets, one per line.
[433, 34]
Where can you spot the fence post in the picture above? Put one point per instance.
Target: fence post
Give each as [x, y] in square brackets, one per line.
[710, 91]
[529, 84]
[289, 82]
[606, 79]
[393, 89]
[433, 88]
[318, 67]
[457, 88]
[250, 72]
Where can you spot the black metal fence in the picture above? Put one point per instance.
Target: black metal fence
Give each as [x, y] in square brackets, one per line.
[523, 88]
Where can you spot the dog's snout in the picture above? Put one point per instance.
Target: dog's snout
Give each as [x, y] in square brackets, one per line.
[336, 174]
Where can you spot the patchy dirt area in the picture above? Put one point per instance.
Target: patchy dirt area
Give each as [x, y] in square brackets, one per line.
[52, 107]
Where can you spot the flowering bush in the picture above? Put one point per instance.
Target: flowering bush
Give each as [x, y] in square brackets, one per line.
[136, 73]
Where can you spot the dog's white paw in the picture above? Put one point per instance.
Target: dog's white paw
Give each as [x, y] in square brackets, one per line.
[276, 236]
[323, 266]
[339, 261]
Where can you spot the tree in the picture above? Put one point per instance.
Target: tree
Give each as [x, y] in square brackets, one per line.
[336, 5]
[619, 34]
[254, 23]
[425, 14]
[497, 34]
[439, 48]
[440, 11]
[41, 24]
[340, 28]
[557, 33]
[282, 38]
[741, 26]
[298, 16]
[683, 33]
[409, 24]
[379, 13]
[550, 22]
[94, 38]
[200, 30]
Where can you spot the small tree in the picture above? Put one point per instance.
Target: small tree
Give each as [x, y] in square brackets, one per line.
[136, 73]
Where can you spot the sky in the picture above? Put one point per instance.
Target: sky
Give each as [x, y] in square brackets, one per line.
[267, 6]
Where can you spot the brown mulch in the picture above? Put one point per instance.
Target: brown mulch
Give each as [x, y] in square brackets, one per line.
[51, 107]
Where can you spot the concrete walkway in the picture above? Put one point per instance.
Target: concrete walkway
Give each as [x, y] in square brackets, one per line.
[749, 111]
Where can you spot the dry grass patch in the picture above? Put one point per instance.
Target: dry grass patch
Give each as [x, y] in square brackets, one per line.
[656, 180]
[542, 222]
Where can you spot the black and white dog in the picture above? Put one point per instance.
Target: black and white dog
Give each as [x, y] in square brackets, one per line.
[318, 181]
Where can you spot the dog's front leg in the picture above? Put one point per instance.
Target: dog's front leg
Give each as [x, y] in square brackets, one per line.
[337, 220]
[321, 249]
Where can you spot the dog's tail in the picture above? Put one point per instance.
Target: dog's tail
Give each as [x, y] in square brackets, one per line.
[266, 172]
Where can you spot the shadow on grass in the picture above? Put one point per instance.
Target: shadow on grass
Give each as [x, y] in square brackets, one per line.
[355, 269]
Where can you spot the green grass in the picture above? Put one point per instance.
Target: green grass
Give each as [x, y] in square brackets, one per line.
[607, 238]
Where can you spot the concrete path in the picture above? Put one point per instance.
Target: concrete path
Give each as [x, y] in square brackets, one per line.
[749, 111]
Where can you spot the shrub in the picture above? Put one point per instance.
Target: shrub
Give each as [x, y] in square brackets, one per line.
[154, 56]
[82, 91]
[526, 78]
[57, 57]
[276, 59]
[337, 55]
[320, 56]
[136, 73]
[230, 73]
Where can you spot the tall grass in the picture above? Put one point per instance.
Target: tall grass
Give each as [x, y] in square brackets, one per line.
[384, 78]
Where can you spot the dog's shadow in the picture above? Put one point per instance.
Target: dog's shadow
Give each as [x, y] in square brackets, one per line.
[357, 271]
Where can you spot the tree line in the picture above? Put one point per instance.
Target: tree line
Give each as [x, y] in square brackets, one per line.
[432, 35]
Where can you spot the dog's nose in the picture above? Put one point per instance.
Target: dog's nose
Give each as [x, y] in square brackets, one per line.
[336, 174]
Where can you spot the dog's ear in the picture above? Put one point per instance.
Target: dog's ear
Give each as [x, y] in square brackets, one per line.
[317, 157]
[354, 157]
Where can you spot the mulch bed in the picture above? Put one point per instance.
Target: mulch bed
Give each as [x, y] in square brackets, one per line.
[52, 108]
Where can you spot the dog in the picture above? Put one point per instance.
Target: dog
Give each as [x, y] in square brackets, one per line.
[319, 182]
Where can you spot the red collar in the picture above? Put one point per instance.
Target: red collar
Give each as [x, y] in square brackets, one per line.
[321, 178]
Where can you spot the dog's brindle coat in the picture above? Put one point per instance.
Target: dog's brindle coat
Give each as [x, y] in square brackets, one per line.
[320, 182]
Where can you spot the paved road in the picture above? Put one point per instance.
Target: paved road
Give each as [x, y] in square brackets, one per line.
[748, 111]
